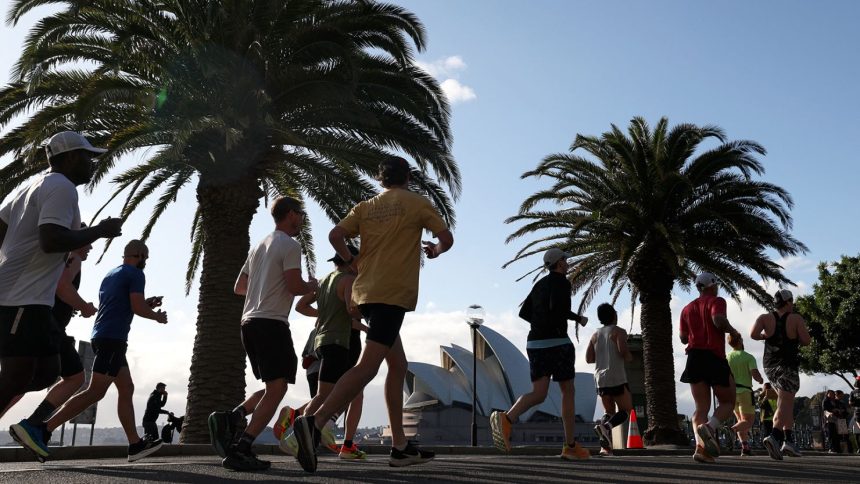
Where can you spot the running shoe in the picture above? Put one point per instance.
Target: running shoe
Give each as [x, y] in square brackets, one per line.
[702, 456]
[352, 453]
[604, 434]
[241, 461]
[289, 444]
[143, 448]
[707, 434]
[772, 447]
[500, 426]
[746, 451]
[284, 422]
[327, 437]
[577, 452]
[409, 456]
[604, 452]
[221, 432]
[30, 437]
[308, 437]
[789, 449]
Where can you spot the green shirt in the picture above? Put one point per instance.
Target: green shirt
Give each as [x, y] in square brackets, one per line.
[742, 365]
[334, 324]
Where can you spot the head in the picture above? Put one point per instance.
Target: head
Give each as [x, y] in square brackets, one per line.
[735, 341]
[135, 254]
[707, 283]
[72, 155]
[767, 386]
[840, 394]
[393, 172]
[339, 262]
[83, 252]
[555, 260]
[830, 394]
[289, 215]
[783, 300]
[606, 314]
[161, 388]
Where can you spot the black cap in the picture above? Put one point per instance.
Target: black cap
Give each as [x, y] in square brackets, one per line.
[160, 385]
[337, 258]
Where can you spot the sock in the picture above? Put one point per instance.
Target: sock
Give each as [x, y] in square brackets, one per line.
[42, 412]
[778, 435]
[714, 422]
[245, 441]
[573, 444]
[789, 435]
[619, 418]
[347, 443]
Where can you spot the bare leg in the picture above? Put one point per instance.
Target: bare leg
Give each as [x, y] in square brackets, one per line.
[568, 410]
[266, 406]
[353, 416]
[252, 401]
[323, 392]
[702, 398]
[540, 388]
[397, 364]
[784, 416]
[124, 405]
[78, 403]
[352, 382]
[64, 389]
[725, 401]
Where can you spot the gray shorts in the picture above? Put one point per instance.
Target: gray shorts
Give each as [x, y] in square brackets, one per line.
[784, 378]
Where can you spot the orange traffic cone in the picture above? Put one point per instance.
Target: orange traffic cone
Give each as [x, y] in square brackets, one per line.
[634, 440]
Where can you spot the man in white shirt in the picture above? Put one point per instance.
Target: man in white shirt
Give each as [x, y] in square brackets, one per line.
[38, 226]
[269, 280]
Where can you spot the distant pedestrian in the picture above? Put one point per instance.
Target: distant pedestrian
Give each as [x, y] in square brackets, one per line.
[844, 415]
[831, 421]
[155, 407]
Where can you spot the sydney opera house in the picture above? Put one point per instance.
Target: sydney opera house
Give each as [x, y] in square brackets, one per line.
[438, 402]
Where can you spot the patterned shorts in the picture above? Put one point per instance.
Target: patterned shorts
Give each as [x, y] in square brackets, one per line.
[784, 378]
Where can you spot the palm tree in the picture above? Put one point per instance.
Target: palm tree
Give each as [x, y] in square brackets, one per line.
[243, 99]
[648, 209]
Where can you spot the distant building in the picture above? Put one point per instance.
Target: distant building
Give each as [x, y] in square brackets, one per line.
[438, 404]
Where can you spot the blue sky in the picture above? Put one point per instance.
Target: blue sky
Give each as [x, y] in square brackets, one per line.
[524, 79]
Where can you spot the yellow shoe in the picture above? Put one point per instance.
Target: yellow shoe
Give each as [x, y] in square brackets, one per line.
[702, 456]
[285, 421]
[327, 438]
[577, 452]
[500, 426]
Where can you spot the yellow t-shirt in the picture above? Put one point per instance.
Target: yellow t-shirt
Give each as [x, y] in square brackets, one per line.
[390, 226]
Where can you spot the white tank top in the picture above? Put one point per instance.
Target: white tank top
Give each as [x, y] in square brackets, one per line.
[609, 365]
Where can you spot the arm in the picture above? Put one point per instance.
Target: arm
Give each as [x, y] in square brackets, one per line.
[241, 286]
[757, 376]
[298, 286]
[683, 333]
[304, 305]
[55, 238]
[722, 323]
[759, 330]
[802, 332]
[446, 241]
[590, 356]
[66, 289]
[345, 294]
[337, 238]
[620, 337]
[142, 309]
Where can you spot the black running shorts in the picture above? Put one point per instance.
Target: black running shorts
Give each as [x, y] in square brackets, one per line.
[28, 331]
[334, 362]
[556, 361]
[110, 356]
[615, 391]
[269, 346]
[383, 322]
[70, 360]
[704, 366]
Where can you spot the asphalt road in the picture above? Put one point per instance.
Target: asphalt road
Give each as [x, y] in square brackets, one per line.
[473, 468]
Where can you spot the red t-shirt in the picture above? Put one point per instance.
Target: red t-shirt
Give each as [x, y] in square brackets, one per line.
[698, 325]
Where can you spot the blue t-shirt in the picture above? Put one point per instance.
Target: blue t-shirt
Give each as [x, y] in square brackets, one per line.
[113, 319]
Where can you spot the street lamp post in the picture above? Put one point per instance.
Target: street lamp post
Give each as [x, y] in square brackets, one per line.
[474, 318]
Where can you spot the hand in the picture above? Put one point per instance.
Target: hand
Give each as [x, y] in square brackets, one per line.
[430, 250]
[110, 227]
[169, 413]
[161, 317]
[88, 310]
[154, 301]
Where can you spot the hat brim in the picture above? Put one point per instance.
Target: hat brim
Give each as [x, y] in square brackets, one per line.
[93, 149]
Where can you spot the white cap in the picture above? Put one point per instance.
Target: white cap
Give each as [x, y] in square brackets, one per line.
[783, 295]
[66, 141]
[553, 255]
[706, 279]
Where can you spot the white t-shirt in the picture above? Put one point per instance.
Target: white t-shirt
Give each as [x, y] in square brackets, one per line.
[267, 295]
[27, 274]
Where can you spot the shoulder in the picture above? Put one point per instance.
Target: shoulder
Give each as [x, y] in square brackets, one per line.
[796, 318]
[56, 183]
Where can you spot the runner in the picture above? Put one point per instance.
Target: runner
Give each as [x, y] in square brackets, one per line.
[608, 349]
[783, 332]
[745, 370]
[337, 341]
[269, 280]
[121, 297]
[854, 401]
[703, 323]
[550, 352]
[390, 226]
[66, 302]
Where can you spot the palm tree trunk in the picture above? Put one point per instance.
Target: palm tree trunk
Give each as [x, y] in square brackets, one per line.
[662, 407]
[217, 380]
